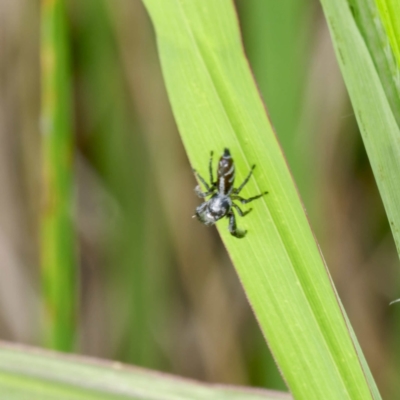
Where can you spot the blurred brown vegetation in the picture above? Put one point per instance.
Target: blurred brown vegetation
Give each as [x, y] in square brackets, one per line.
[156, 287]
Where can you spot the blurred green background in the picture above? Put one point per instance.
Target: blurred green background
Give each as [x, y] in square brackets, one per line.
[152, 286]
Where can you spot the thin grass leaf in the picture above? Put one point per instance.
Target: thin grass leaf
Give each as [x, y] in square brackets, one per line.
[389, 11]
[36, 374]
[371, 77]
[57, 239]
[375, 118]
[216, 105]
[366, 16]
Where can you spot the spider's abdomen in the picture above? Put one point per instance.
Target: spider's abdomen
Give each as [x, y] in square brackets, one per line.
[226, 173]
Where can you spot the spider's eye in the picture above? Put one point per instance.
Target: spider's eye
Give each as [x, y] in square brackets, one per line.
[205, 216]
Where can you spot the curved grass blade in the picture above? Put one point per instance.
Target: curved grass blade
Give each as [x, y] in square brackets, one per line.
[216, 105]
[37, 374]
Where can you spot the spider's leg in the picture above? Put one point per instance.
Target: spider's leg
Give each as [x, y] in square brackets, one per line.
[202, 194]
[210, 168]
[237, 191]
[239, 210]
[245, 201]
[202, 180]
[232, 226]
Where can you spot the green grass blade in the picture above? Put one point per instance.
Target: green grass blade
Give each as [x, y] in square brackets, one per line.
[375, 118]
[366, 16]
[216, 105]
[36, 374]
[389, 11]
[371, 77]
[57, 242]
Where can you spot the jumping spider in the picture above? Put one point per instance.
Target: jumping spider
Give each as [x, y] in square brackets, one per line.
[222, 194]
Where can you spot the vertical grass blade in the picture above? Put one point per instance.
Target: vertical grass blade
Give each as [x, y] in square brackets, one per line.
[216, 104]
[57, 238]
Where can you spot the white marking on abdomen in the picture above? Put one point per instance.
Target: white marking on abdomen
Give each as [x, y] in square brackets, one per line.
[222, 185]
[230, 171]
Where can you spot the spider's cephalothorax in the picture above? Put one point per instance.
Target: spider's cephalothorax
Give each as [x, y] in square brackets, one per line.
[223, 194]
